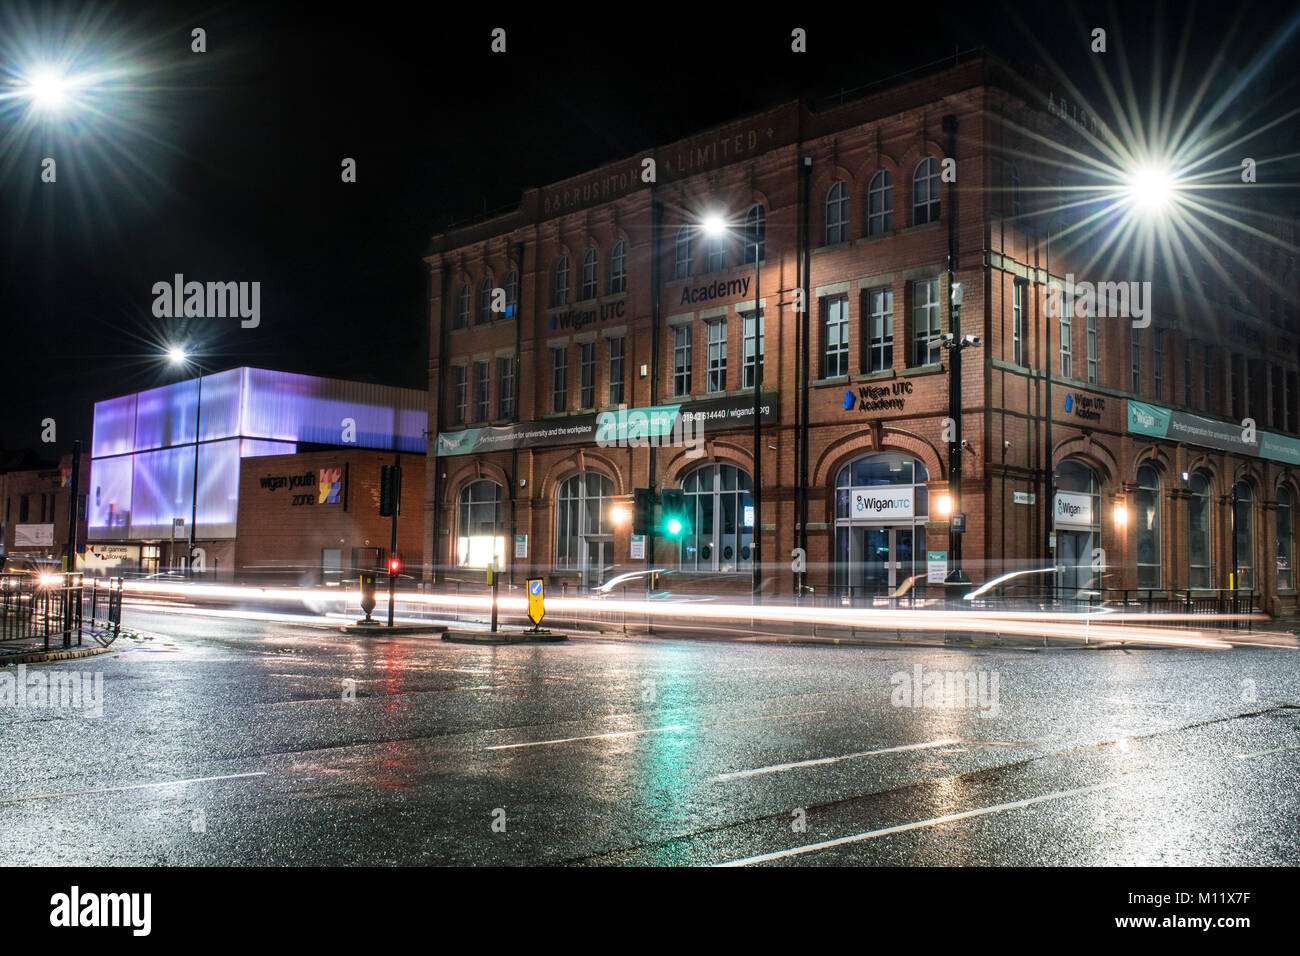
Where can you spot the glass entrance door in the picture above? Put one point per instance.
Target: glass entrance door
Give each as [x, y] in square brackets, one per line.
[883, 558]
[600, 561]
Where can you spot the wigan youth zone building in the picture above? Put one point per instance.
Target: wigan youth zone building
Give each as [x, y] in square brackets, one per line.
[1125, 431]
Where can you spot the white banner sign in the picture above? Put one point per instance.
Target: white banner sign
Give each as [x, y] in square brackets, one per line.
[885, 504]
[1073, 510]
[33, 535]
[109, 556]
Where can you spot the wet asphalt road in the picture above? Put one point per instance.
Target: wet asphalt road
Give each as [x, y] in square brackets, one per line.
[230, 742]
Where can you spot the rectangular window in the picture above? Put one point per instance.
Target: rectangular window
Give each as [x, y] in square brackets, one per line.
[880, 304]
[1234, 377]
[1092, 345]
[1293, 402]
[748, 370]
[1018, 322]
[926, 325]
[835, 356]
[24, 508]
[616, 359]
[1067, 341]
[459, 393]
[1187, 372]
[1135, 351]
[587, 375]
[1158, 363]
[717, 368]
[1207, 376]
[506, 387]
[682, 360]
[717, 254]
[482, 391]
[559, 379]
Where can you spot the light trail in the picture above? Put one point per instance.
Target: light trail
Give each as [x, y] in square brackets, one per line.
[1101, 627]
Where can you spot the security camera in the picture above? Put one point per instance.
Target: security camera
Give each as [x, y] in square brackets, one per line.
[1006, 443]
[965, 443]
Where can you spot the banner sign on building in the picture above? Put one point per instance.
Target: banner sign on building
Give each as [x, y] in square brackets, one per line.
[657, 425]
[1157, 422]
[105, 556]
[883, 504]
[33, 535]
[1073, 510]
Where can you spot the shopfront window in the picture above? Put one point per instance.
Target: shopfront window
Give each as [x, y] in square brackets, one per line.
[480, 525]
[720, 507]
[1198, 531]
[1077, 514]
[1148, 528]
[1285, 540]
[881, 506]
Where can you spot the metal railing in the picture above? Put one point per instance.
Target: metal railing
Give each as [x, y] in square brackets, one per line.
[65, 610]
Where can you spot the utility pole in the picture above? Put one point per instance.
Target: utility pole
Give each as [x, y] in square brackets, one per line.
[393, 568]
[74, 506]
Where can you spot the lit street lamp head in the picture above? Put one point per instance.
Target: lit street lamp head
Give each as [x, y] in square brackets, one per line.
[1151, 187]
[177, 355]
[714, 225]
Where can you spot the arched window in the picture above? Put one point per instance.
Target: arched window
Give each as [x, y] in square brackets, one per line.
[1148, 528]
[1243, 528]
[512, 294]
[584, 532]
[684, 253]
[837, 213]
[1285, 540]
[925, 192]
[480, 525]
[755, 233]
[1077, 512]
[880, 204]
[720, 511]
[1198, 530]
[618, 268]
[1015, 190]
[881, 507]
[484, 313]
[588, 275]
[560, 294]
[462, 307]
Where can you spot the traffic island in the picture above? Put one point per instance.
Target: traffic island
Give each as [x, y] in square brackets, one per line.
[528, 636]
[378, 629]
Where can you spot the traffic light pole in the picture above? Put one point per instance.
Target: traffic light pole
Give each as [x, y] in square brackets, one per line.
[392, 550]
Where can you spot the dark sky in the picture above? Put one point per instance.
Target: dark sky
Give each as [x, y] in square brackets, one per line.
[225, 165]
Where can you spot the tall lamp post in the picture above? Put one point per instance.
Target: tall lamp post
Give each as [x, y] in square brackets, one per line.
[956, 581]
[178, 356]
[715, 226]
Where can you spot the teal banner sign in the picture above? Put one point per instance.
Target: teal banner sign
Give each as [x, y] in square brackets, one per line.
[1157, 422]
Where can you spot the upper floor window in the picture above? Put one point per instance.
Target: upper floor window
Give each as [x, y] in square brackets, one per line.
[1158, 363]
[682, 360]
[559, 379]
[718, 252]
[835, 356]
[459, 393]
[926, 324]
[512, 294]
[588, 275]
[617, 357]
[462, 307]
[755, 233]
[587, 375]
[1136, 363]
[837, 213]
[505, 387]
[1015, 190]
[925, 192]
[881, 305]
[880, 204]
[1092, 345]
[1067, 341]
[717, 369]
[1018, 322]
[482, 391]
[560, 294]
[684, 253]
[618, 268]
[483, 314]
[747, 372]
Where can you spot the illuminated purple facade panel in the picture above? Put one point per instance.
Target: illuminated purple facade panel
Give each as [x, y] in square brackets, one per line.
[114, 427]
[108, 510]
[302, 408]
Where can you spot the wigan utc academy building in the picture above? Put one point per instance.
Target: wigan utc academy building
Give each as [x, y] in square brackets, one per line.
[624, 358]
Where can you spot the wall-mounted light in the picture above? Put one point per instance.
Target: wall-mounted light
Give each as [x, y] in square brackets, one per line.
[1121, 515]
[618, 514]
[944, 504]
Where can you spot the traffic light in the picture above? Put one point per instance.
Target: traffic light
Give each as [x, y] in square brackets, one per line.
[673, 518]
[390, 490]
[643, 511]
[395, 565]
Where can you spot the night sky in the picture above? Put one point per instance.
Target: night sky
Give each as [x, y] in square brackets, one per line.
[226, 165]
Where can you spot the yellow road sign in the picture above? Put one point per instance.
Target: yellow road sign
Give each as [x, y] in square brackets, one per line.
[536, 600]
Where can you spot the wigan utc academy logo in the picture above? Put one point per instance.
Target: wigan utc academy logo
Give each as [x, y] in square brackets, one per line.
[331, 486]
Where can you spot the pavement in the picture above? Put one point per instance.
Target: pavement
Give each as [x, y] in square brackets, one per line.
[236, 741]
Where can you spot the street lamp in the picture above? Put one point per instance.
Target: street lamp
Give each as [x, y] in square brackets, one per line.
[955, 343]
[715, 226]
[178, 356]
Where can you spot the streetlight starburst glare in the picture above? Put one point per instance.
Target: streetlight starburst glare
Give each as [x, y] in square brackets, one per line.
[1152, 187]
[714, 225]
[177, 355]
[48, 89]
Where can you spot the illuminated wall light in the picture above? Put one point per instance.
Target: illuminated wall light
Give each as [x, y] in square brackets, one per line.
[944, 504]
[1121, 515]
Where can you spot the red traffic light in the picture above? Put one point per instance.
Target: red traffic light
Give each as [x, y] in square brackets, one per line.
[394, 564]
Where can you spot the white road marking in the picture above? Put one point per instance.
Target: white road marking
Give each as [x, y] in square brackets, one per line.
[781, 767]
[1266, 753]
[919, 824]
[652, 730]
[137, 786]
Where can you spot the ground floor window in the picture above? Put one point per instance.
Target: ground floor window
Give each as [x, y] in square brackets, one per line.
[1243, 529]
[480, 524]
[584, 530]
[1148, 528]
[881, 506]
[1198, 530]
[1285, 540]
[720, 506]
[1077, 515]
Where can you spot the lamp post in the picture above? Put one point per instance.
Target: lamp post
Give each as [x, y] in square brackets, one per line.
[178, 356]
[716, 227]
[955, 342]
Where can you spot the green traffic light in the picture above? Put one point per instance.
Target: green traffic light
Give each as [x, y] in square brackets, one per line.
[674, 526]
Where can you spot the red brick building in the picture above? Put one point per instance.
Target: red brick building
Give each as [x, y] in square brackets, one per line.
[609, 294]
[34, 509]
